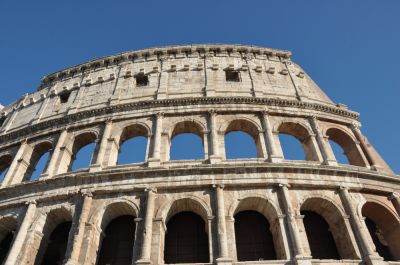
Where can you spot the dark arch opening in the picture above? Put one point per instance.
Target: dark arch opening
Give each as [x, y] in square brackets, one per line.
[186, 146]
[117, 244]
[133, 150]
[254, 239]
[56, 246]
[39, 161]
[384, 229]
[5, 163]
[320, 239]
[5, 245]
[291, 147]
[240, 144]
[380, 244]
[186, 240]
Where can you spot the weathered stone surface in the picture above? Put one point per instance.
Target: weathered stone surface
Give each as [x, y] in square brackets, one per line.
[187, 91]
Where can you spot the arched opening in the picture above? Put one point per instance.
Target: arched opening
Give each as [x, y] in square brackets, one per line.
[117, 244]
[8, 226]
[186, 141]
[5, 163]
[186, 239]
[384, 229]
[320, 239]
[291, 149]
[339, 153]
[57, 245]
[38, 161]
[242, 140]
[83, 151]
[246, 149]
[348, 145]
[53, 245]
[254, 239]
[326, 230]
[133, 145]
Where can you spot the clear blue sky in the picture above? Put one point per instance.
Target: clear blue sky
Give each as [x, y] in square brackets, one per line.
[350, 48]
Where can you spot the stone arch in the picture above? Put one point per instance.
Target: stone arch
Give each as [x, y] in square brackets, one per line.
[271, 213]
[383, 225]
[349, 145]
[38, 150]
[303, 134]
[118, 231]
[335, 216]
[192, 126]
[189, 208]
[80, 140]
[129, 132]
[187, 203]
[55, 234]
[248, 126]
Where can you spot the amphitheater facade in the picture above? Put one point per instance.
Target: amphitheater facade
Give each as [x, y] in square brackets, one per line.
[261, 210]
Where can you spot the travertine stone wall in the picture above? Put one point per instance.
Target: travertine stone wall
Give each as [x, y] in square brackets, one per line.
[187, 91]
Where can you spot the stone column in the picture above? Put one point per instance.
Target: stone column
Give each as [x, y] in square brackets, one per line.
[274, 155]
[291, 221]
[148, 228]
[369, 255]
[154, 160]
[369, 156]
[102, 149]
[79, 229]
[326, 150]
[21, 235]
[17, 167]
[395, 199]
[222, 237]
[55, 155]
[214, 152]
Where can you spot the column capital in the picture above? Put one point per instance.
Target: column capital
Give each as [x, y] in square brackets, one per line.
[394, 195]
[160, 115]
[212, 112]
[218, 186]
[355, 126]
[86, 193]
[343, 188]
[151, 190]
[31, 202]
[284, 185]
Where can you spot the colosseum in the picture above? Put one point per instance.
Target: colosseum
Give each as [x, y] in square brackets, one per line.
[217, 209]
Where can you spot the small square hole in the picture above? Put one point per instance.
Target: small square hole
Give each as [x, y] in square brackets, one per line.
[232, 76]
[64, 97]
[142, 80]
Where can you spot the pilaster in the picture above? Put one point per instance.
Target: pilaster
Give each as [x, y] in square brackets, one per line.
[274, 155]
[395, 199]
[154, 160]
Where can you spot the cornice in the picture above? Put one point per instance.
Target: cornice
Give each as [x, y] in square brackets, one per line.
[68, 119]
[138, 179]
[155, 53]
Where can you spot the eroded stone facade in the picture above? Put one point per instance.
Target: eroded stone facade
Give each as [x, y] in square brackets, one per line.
[187, 92]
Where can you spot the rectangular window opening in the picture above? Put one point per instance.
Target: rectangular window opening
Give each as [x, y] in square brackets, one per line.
[64, 97]
[232, 76]
[142, 80]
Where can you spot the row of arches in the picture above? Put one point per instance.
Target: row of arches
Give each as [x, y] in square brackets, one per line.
[257, 232]
[187, 140]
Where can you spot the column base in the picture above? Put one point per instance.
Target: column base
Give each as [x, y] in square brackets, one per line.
[95, 168]
[302, 260]
[213, 159]
[275, 159]
[143, 262]
[153, 162]
[330, 163]
[224, 261]
[374, 260]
